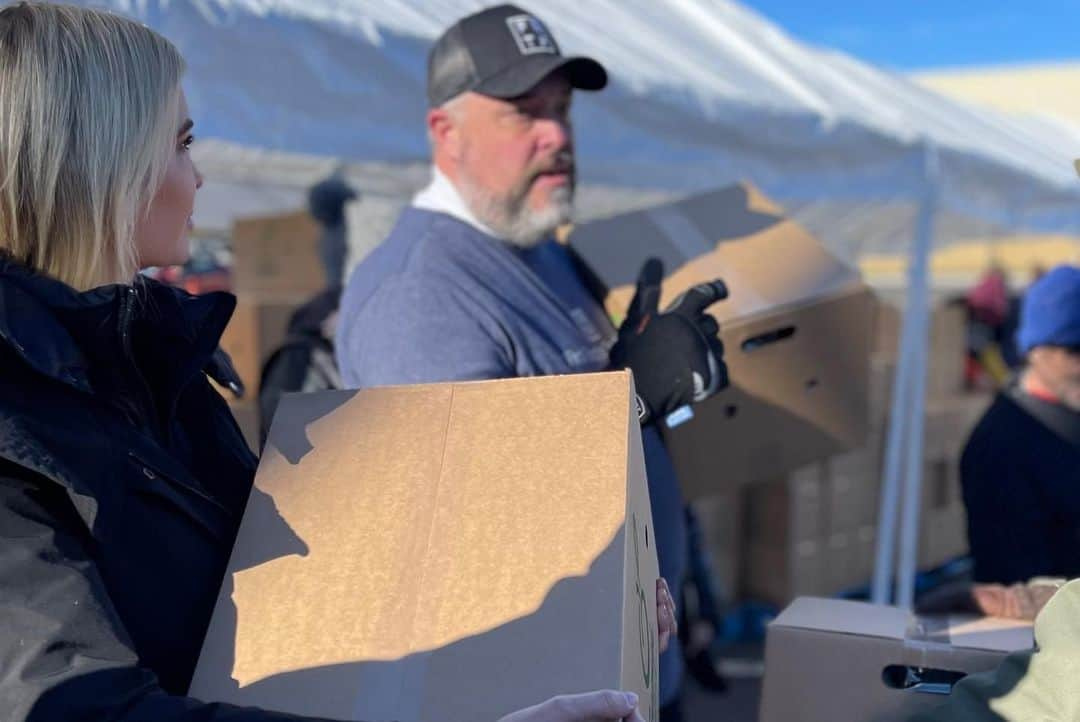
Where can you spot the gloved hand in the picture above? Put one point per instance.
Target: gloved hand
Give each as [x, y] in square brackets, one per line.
[602, 706]
[676, 356]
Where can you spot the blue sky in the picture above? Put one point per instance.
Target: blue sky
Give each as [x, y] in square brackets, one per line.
[920, 34]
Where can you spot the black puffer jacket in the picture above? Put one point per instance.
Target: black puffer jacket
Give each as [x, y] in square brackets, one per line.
[123, 477]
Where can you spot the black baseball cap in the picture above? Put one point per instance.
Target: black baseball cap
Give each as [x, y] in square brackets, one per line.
[503, 52]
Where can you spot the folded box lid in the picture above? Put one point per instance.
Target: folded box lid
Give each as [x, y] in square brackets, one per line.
[768, 261]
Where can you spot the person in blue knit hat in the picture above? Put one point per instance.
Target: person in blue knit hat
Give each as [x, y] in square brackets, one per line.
[1020, 470]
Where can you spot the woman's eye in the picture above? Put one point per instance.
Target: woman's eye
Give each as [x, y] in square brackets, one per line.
[187, 142]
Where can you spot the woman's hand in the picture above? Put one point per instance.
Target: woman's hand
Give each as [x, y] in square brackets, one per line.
[602, 706]
[666, 624]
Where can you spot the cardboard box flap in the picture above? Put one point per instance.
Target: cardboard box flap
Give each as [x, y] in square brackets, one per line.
[842, 616]
[707, 236]
[439, 551]
[869, 620]
[970, 632]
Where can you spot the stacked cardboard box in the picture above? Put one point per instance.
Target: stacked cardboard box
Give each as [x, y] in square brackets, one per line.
[831, 659]
[720, 519]
[950, 415]
[277, 255]
[276, 267]
[813, 532]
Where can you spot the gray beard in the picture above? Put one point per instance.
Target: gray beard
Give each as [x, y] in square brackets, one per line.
[511, 219]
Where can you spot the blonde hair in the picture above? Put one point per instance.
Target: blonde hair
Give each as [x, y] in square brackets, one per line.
[89, 107]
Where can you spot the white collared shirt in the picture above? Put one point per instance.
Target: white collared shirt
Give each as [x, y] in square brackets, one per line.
[441, 196]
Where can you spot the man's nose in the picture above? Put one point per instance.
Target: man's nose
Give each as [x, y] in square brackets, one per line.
[555, 133]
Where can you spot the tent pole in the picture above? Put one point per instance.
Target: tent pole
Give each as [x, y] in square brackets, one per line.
[889, 503]
[919, 307]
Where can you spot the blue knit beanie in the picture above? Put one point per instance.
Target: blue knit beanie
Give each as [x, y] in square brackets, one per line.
[1051, 311]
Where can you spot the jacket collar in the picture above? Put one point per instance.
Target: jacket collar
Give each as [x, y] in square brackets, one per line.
[32, 306]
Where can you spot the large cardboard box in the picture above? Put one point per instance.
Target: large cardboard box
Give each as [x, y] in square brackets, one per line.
[947, 351]
[811, 533]
[447, 552]
[950, 421]
[944, 536]
[257, 328]
[854, 487]
[797, 329]
[277, 254]
[720, 520]
[828, 659]
[789, 510]
[777, 573]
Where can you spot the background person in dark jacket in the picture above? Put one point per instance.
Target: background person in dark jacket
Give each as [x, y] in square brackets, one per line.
[305, 360]
[1020, 470]
[326, 203]
[123, 476]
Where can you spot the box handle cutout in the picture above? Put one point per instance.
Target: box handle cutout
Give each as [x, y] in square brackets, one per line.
[920, 679]
[767, 339]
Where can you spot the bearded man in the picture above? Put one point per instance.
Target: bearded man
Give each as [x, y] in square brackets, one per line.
[470, 283]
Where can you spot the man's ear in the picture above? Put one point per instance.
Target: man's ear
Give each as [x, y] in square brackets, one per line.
[445, 132]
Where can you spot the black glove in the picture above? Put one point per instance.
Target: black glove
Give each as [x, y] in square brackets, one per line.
[676, 356]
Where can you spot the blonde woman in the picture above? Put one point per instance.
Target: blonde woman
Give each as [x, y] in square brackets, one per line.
[122, 473]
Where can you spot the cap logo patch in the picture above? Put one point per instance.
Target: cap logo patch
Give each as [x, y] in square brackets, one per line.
[530, 35]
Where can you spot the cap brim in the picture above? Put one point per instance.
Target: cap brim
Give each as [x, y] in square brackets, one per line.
[582, 72]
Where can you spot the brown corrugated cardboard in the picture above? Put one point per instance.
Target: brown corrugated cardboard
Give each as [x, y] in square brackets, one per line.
[720, 519]
[940, 484]
[788, 510]
[256, 329]
[277, 254]
[944, 535]
[827, 659]
[448, 552]
[853, 488]
[950, 420]
[776, 574]
[948, 346]
[841, 569]
[948, 351]
[882, 376]
[797, 329]
[865, 551]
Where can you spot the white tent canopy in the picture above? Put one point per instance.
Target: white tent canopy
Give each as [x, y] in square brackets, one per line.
[704, 92]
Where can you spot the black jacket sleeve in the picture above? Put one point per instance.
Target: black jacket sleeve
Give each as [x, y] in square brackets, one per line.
[64, 654]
